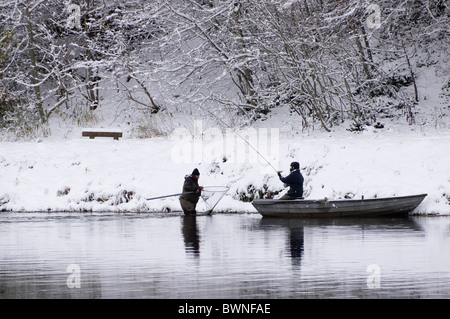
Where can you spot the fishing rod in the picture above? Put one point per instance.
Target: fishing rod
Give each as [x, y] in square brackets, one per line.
[248, 143]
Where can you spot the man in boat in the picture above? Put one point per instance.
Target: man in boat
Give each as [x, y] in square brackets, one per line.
[295, 182]
[189, 201]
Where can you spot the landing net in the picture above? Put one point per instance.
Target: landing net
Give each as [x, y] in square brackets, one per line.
[212, 195]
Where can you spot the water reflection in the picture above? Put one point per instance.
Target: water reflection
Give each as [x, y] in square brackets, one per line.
[296, 242]
[353, 244]
[221, 256]
[191, 235]
[294, 230]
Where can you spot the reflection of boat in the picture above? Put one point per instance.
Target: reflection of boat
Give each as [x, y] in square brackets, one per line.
[395, 206]
[383, 223]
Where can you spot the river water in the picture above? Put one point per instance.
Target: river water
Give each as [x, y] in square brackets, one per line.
[237, 256]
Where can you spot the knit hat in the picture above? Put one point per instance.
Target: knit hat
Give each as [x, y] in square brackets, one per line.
[195, 172]
[295, 165]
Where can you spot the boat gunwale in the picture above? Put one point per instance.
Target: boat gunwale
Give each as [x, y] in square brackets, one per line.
[326, 200]
[399, 205]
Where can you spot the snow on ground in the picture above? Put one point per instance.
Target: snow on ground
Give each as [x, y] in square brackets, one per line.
[80, 174]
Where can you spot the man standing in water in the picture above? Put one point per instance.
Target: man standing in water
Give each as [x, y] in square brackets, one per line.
[189, 201]
[295, 182]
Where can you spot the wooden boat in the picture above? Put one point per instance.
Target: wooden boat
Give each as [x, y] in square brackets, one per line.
[388, 206]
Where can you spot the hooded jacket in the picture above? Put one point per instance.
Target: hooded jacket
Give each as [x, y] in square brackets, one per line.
[191, 185]
[295, 181]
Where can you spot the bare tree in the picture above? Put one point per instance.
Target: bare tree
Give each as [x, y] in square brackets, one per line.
[321, 59]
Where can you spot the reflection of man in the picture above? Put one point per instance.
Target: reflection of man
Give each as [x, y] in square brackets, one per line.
[295, 182]
[190, 235]
[191, 193]
[296, 241]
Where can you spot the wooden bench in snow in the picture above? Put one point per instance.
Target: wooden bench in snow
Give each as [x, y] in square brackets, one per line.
[102, 132]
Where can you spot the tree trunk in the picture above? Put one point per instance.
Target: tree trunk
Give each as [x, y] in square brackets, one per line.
[362, 56]
[34, 71]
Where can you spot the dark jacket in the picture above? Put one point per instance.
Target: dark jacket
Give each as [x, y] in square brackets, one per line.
[295, 181]
[191, 185]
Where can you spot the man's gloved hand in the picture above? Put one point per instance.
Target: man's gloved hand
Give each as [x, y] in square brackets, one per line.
[198, 191]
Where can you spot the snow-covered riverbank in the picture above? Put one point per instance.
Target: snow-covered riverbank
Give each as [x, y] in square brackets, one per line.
[80, 174]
